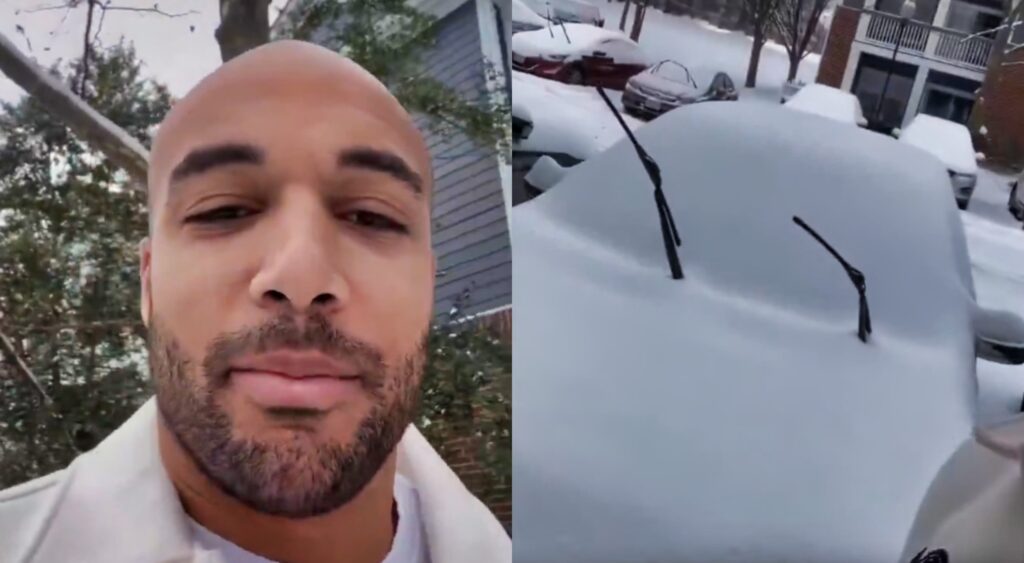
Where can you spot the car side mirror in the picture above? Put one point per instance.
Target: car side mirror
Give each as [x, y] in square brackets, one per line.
[545, 173]
[999, 336]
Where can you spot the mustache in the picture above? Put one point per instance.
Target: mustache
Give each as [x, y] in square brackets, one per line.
[316, 333]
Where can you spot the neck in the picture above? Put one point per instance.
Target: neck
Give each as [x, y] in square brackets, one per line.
[361, 531]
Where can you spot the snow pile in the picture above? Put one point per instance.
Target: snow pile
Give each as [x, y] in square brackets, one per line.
[552, 42]
[523, 14]
[566, 119]
[734, 416]
[947, 140]
[829, 102]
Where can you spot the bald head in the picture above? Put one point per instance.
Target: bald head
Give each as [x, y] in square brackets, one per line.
[279, 89]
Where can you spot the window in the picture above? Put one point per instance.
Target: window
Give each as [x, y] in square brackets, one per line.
[869, 82]
[621, 51]
[674, 72]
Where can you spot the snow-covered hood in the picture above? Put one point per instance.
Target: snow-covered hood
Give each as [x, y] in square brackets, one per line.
[652, 81]
[950, 142]
[734, 416]
[557, 128]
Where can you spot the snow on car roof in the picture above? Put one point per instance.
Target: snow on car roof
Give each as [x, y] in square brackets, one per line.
[949, 141]
[827, 101]
[522, 13]
[582, 37]
[734, 416]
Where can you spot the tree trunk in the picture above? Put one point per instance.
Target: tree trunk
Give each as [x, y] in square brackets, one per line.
[244, 25]
[755, 59]
[794, 66]
[99, 132]
[638, 20]
[625, 12]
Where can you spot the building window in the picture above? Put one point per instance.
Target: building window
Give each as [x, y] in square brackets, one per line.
[869, 81]
[948, 96]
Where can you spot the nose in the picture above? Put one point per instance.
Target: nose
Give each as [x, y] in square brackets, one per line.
[301, 273]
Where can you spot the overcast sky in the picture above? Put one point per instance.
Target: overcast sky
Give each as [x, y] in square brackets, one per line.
[171, 52]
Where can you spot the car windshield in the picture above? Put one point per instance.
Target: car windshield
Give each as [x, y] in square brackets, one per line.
[674, 72]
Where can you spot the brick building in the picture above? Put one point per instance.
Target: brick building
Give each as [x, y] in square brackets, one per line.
[946, 66]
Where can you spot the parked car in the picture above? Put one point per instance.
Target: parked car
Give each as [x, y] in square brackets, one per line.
[950, 142]
[669, 84]
[829, 102]
[568, 11]
[564, 134]
[525, 19]
[578, 54]
[734, 415]
[1016, 203]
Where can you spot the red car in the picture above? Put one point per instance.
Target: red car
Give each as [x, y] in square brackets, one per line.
[578, 54]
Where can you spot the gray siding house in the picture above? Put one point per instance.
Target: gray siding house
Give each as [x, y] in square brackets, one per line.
[472, 185]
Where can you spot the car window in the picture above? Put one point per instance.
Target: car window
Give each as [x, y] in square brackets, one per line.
[674, 72]
[622, 52]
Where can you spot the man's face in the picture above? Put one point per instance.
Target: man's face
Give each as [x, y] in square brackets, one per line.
[288, 284]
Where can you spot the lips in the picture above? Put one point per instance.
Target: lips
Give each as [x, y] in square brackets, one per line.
[296, 379]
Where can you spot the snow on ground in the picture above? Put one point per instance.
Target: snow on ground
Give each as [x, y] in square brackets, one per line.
[699, 44]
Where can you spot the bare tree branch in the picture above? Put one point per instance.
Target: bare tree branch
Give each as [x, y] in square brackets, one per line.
[85, 50]
[103, 135]
[150, 11]
[68, 5]
[103, 17]
[114, 323]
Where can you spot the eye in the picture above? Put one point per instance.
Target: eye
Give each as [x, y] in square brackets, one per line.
[224, 214]
[374, 221]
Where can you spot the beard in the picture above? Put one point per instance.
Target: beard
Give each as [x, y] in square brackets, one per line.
[303, 476]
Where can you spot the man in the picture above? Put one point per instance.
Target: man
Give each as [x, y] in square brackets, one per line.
[287, 287]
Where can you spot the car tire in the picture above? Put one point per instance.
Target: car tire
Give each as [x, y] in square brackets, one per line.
[575, 75]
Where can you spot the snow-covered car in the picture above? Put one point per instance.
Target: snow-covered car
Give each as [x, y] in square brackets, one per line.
[950, 142]
[565, 134]
[1016, 203]
[524, 18]
[734, 415]
[669, 84]
[568, 11]
[578, 54]
[829, 102]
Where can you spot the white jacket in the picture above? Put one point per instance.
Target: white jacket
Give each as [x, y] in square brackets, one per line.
[973, 511]
[116, 504]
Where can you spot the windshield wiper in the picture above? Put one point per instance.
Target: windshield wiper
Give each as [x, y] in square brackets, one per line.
[669, 233]
[856, 277]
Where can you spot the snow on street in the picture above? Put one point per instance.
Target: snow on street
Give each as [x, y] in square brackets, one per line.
[700, 45]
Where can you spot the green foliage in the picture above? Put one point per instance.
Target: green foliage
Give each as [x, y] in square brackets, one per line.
[387, 38]
[69, 233]
[467, 394]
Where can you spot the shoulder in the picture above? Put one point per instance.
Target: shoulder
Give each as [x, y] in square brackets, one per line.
[25, 510]
[973, 509]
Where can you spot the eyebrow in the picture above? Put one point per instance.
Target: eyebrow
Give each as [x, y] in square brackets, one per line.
[378, 160]
[203, 159]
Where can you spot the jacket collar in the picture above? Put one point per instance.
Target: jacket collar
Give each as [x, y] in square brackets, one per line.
[119, 499]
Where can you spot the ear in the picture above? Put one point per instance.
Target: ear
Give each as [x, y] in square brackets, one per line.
[146, 299]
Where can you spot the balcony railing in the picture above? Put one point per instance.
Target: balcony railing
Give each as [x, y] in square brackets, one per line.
[946, 45]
